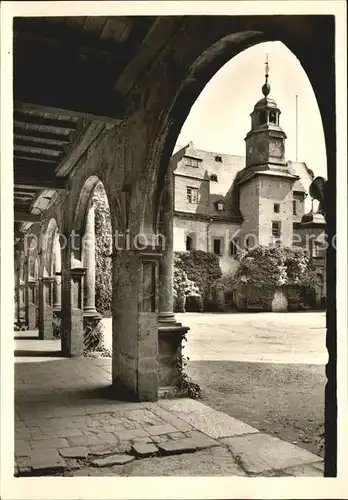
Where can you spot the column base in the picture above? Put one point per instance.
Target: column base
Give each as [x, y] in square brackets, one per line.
[92, 313]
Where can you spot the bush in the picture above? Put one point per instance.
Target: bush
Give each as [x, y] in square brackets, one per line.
[93, 339]
[201, 268]
[194, 303]
[264, 269]
[57, 326]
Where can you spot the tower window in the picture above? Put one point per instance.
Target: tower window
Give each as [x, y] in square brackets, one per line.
[273, 117]
[218, 158]
[213, 178]
[276, 208]
[189, 243]
[217, 246]
[220, 206]
[262, 117]
[294, 208]
[276, 229]
[233, 248]
[192, 195]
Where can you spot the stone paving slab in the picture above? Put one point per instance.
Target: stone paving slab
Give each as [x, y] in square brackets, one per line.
[64, 408]
[216, 424]
[261, 452]
[213, 462]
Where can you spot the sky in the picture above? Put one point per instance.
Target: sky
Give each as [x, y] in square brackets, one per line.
[220, 118]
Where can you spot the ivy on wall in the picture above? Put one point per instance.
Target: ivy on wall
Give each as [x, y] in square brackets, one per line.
[264, 269]
[103, 250]
[198, 271]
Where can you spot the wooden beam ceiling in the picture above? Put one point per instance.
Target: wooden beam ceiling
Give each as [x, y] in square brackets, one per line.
[26, 217]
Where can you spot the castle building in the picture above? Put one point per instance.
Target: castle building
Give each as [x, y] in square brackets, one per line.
[226, 203]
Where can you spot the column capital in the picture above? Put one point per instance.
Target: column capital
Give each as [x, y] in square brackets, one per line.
[76, 272]
[32, 281]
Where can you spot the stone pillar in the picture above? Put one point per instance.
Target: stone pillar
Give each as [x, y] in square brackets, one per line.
[135, 323]
[21, 301]
[72, 312]
[89, 263]
[31, 303]
[57, 285]
[170, 333]
[45, 308]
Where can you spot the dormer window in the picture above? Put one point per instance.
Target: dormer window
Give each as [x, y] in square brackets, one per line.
[273, 117]
[262, 117]
[213, 178]
[191, 162]
[220, 206]
[218, 158]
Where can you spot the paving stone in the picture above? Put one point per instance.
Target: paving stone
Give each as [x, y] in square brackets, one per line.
[112, 460]
[214, 462]
[87, 440]
[306, 470]
[22, 448]
[72, 464]
[217, 424]
[160, 439]
[45, 461]
[169, 418]
[183, 405]
[23, 466]
[75, 452]
[157, 430]
[260, 452]
[128, 435]
[49, 443]
[176, 435]
[69, 433]
[102, 450]
[124, 446]
[143, 450]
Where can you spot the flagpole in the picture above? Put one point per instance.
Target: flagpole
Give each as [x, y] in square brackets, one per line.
[296, 127]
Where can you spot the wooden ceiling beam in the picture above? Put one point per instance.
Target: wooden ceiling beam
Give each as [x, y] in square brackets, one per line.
[38, 145]
[99, 105]
[50, 137]
[28, 155]
[37, 178]
[47, 122]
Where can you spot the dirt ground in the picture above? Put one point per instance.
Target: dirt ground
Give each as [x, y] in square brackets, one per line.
[284, 400]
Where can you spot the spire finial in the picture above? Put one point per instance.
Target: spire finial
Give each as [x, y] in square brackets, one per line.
[266, 88]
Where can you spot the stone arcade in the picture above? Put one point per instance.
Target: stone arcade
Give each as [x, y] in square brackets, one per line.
[104, 99]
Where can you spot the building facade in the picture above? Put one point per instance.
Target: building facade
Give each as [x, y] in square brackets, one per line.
[225, 203]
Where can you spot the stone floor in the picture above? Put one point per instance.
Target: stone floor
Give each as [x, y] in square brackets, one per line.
[68, 423]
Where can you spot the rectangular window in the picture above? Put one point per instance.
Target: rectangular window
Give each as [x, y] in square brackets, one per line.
[191, 162]
[217, 246]
[218, 158]
[276, 208]
[192, 195]
[276, 229]
[294, 208]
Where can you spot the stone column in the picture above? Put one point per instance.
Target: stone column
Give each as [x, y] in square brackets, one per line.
[135, 323]
[170, 333]
[57, 285]
[21, 301]
[72, 312]
[89, 263]
[31, 303]
[45, 308]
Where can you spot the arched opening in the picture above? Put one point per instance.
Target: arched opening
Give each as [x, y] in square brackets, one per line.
[233, 127]
[94, 226]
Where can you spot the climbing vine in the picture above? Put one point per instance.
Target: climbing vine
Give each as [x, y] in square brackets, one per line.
[103, 251]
